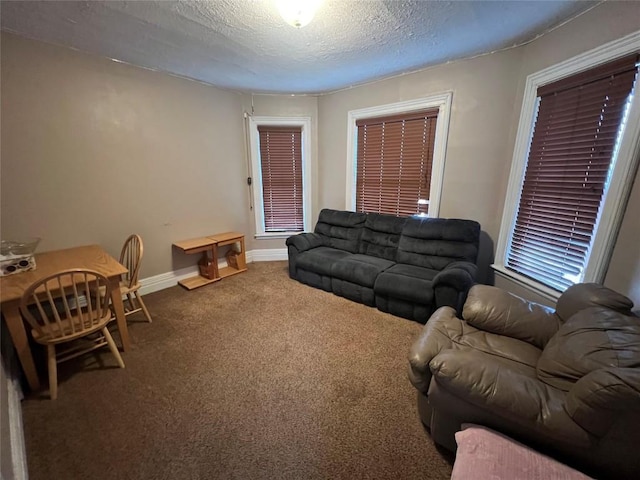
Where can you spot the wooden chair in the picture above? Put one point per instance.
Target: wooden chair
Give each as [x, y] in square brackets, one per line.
[62, 308]
[130, 257]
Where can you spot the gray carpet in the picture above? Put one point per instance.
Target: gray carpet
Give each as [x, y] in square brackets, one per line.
[255, 376]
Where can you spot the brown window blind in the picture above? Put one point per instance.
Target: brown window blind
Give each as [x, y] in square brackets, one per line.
[394, 161]
[572, 148]
[281, 166]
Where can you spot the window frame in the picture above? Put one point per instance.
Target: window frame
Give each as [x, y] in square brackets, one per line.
[440, 101]
[256, 184]
[622, 175]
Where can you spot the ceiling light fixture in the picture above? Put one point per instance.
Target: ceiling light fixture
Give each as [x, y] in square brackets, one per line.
[298, 13]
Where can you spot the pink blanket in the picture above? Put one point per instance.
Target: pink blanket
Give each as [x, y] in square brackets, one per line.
[485, 454]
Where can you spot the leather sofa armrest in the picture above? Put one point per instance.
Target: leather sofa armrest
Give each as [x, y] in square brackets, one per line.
[435, 337]
[597, 400]
[486, 382]
[304, 241]
[503, 313]
[511, 394]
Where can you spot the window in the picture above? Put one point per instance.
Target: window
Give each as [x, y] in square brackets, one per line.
[394, 161]
[560, 225]
[396, 157]
[280, 168]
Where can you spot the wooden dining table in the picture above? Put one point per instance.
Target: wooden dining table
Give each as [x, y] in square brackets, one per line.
[12, 287]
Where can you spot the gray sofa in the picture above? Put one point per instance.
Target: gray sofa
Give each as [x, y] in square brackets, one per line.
[566, 382]
[406, 266]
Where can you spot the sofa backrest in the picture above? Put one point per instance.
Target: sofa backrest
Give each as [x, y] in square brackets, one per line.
[584, 295]
[381, 235]
[340, 229]
[592, 339]
[599, 330]
[436, 242]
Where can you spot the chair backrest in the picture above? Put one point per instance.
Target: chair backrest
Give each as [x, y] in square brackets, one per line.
[67, 304]
[130, 257]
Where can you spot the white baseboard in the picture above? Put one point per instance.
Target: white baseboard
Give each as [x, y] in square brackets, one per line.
[267, 255]
[170, 279]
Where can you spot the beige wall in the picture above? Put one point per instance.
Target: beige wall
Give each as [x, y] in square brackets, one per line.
[93, 150]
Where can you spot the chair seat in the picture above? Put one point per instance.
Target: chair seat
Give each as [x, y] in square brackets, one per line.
[125, 288]
[50, 334]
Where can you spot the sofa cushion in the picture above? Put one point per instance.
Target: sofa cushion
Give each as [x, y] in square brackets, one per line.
[360, 269]
[437, 242]
[340, 229]
[593, 338]
[320, 260]
[406, 282]
[380, 235]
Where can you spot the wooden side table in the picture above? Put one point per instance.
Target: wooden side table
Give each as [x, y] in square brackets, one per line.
[208, 263]
[236, 260]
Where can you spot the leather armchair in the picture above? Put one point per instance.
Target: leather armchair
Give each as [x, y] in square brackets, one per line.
[564, 381]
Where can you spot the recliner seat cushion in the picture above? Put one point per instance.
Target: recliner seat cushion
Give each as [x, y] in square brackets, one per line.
[593, 338]
[360, 269]
[321, 259]
[406, 282]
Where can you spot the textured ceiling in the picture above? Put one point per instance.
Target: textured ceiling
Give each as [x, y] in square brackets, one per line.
[245, 45]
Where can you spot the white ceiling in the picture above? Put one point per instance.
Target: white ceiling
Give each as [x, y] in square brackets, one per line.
[245, 45]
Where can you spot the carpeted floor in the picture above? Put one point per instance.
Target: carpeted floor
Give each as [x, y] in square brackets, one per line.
[255, 376]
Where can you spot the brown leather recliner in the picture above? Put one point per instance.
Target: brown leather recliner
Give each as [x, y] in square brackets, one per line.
[566, 382]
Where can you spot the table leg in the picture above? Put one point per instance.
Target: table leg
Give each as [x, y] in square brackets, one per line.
[15, 325]
[118, 308]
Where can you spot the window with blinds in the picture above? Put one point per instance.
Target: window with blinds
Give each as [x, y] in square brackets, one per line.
[571, 154]
[394, 162]
[281, 168]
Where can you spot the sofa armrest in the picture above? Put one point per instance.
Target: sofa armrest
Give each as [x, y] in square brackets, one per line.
[304, 241]
[599, 398]
[459, 275]
[488, 383]
[435, 337]
[503, 313]
[507, 391]
[297, 244]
